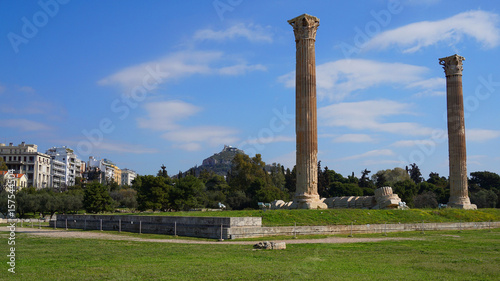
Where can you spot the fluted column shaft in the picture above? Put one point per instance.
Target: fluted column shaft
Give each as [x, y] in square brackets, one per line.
[459, 195]
[305, 27]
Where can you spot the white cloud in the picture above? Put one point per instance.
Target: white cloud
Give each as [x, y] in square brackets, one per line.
[354, 138]
[271, 139]
[253, 33]
[192, 138]
[123, 148]
[372, 153]
[372, 162]
[411, 143]
[240, 69]
[366, 115]
[479, 25]
[150, 75]
[164, 115]
[338, 79]
[481, 135]
[24, 125]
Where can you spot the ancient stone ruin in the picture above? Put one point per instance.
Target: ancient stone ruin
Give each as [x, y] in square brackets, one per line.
[459, 194]
[383, 199]
[270, 245]
[306, 196]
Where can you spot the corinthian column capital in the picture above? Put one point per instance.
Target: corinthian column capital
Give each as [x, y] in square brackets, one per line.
[304, 27]
[452, 65]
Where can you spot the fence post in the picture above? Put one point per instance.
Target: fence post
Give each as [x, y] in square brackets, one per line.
[423, 232]
[385, 228]
[350, 235]
[55, 223]
[39, 224]
[221, 233]
[85, 224]
[140, 227]
[295, 230]
[119, 225]
[175, 228]
[66, 224]
[31, 224]
[101, 224]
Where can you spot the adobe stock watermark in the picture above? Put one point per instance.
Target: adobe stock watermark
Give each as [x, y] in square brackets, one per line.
[266, 135]
[223, 6]
[381, 19]
[121, 107]
[11, 213]
[31, 26]
[426, 148]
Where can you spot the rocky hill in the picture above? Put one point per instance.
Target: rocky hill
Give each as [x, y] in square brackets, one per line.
[219, 163]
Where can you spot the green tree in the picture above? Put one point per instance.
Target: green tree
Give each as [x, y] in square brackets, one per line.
[188, 193]
[484, 180]
[3, 165]
[152, 192]
[392, 176]
[406, 190]
[426, 199]
[96, 198]
[415, 173]
[484, 198]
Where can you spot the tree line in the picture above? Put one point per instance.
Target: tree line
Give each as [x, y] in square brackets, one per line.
[248, 182]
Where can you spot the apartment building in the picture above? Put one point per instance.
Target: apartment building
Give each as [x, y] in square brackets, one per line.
[72, 165]
[128, 176]
[25, 159]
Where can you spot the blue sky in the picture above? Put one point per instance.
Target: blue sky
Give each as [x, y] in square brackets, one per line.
[146, 83]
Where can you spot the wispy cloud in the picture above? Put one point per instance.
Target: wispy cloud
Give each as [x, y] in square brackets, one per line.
[367, 115]
[480, 25]
[338, 79]
[124, 148]
[481, 135]
[167, 117]
[150, 75]
[24, 125]
[272, 139]
[194, 138]
[411, 143]
[164, 115]
[371, 153]
[354, 138]
[251, 32]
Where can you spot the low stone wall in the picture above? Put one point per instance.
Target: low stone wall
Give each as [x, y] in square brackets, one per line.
[239, 227]
[206, 227]
[251, 232]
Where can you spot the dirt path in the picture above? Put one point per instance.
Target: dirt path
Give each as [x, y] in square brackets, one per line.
[93, 235]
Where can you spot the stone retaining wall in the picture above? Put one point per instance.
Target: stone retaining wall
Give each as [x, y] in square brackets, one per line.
[239, 227]
[206, 227]
[249, 232]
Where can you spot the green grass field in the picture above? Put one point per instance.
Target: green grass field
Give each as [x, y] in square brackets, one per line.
[346, 216]
[467, 255]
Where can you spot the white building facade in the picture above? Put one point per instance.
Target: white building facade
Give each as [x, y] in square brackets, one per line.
[72, 165]
[128, 176]
[25, 159]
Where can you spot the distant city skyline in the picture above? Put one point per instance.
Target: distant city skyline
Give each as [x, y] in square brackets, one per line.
[160, 82]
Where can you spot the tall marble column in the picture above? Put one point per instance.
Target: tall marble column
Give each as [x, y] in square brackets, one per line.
[306, 196]
[459, 195]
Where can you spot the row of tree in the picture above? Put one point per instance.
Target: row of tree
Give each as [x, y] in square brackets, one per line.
[250, 181]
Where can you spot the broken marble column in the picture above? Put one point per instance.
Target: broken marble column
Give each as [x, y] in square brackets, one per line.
[459, 194]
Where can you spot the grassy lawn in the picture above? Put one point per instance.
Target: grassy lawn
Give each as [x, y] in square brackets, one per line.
[346, 216]
[467, 255]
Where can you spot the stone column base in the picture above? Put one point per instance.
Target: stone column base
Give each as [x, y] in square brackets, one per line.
[462, 206]
[307, 201]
